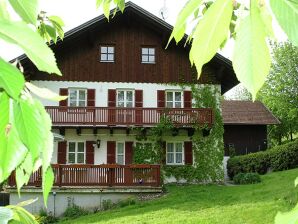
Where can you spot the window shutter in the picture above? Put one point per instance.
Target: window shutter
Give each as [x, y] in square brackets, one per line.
[161, 95]
[111, 152]
[187, 99]
[111, 98]
[62, 152]
[188, 153]
[63, 92]
[139, 104]
[91, 97]
[90, 152]
[164, 153]
[128, 153]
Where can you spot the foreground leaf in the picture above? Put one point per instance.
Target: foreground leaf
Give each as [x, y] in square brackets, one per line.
[4, 119]
[3, 10]
[251, 57]
[23, 172]
[31, 42]
[11, 79]
[44, 92]
[286, 13]
[47, 183]
[27, 10]
[210, 33]
[6, 214]
[287, 217]
[21, 215]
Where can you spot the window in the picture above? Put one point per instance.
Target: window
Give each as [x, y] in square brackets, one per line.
[107, 53]
[76, 152]
[125, 98]
[120, 153]
[174, 99]
[175, 153]
[148, 55]
[77, 97]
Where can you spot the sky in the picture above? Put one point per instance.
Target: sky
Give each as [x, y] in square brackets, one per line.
[76, 12]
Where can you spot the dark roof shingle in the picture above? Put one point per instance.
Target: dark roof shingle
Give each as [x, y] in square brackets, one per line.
[246, 112]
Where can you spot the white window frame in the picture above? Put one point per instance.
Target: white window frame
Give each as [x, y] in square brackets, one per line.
[116, 154]
[77, 96]
[174, 101]
[76, 152]
[125, 99]
[107, 53]
[148, 55]
[174, 152]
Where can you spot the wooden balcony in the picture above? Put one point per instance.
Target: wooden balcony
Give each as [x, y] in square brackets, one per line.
[104, 116]
[99, 175]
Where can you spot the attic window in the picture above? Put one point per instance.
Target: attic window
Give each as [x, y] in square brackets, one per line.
[107, 53]
[148, 55]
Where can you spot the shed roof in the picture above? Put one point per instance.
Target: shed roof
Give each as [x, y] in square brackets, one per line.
[247, 112]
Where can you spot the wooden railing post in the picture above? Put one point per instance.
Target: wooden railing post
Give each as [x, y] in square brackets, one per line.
[128, 176]
[158, 176]
[60, 170]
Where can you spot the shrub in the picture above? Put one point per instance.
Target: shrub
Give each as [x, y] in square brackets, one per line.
[126, 202]
[45, 218]
[74, 211]
[281, 157]
[107, 204]
[247, 178]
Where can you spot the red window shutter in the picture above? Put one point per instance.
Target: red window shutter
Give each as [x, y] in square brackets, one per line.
[111, 152]
[128, 152]
[91, 97]
[90, 152]
[164, 154]
[62, 152]
[139, 98]
[111, 98]
[187, 99]
[63, 92]
[188, 153]
[161, 95]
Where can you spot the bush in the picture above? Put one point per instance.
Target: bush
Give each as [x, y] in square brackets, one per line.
[281, 157]
[247, 178]
[74, 211]
[107, 204]
[126, 202]
[45, 218]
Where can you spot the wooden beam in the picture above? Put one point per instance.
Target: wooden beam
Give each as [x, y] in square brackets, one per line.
[94, 131]
[79, 131]
[62, 131]
[111, 131]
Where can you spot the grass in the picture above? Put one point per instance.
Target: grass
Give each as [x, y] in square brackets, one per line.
[256, 203]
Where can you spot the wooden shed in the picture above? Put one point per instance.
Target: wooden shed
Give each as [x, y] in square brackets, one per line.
[245, 126]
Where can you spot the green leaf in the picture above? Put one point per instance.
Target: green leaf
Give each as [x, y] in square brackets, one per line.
[21, 215]
[30, 126]
[23, 172]
[32, 43]
[286, 13]
[27, 10]
[106, 8]
[27, 202]
[120, 4]
[3, 10]
[57, 20]
[47, 183]
[179, 28]
[296, 181]
[59, 29]
[52, 32]
[287, 217]
[11, 79]
[4, 119]
[210, 33]
[251, 57]
[44, 92]
[98, 3]
[267, 20]
[6, 214]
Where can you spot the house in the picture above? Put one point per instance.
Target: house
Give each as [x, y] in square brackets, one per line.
[121, 82]
[245, 126]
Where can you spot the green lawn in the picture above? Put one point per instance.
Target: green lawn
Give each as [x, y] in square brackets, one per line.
[210, 204]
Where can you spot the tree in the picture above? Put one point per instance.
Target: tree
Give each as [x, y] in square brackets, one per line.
[239, 92]
[280, 91]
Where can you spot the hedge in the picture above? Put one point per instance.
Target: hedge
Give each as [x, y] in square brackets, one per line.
[246, 178]
[281, 157]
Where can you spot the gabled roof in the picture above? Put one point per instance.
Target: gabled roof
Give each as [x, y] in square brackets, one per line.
[247, 112]
[224, 66]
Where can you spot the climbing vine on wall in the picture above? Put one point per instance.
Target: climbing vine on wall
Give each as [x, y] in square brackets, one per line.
[208, 145]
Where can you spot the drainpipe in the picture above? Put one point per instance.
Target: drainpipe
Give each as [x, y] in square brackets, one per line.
[54, 197]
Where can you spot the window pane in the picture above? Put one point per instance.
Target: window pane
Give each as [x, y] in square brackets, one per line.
[110, 57]
[73, 103]
[178, 147]
[129, 95]
[110, 49]
[178, 105]
[170, 158]
[120, 104]
[71, 158]
[169, 105]
[120, 95]
[103, 57]
[82, 103]
[80, 146]
[82, 94]
[103, 50]
[144, 50]
[72, 147]
[178, 157]
[169, 96]
[120, 159]
[177, 96]
[120, 148]
[151, 58]
[80, 158]
[129, 104]
[151, 51]
[170, 147]
[144, 58]
[72, 94]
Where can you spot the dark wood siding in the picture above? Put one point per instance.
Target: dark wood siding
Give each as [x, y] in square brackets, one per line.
[90, 152]
[245, 138]
[111, 152]
[62, 152]
[78, 58]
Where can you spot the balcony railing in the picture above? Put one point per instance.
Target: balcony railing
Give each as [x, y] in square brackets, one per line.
[97, 116]
[99, 175]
